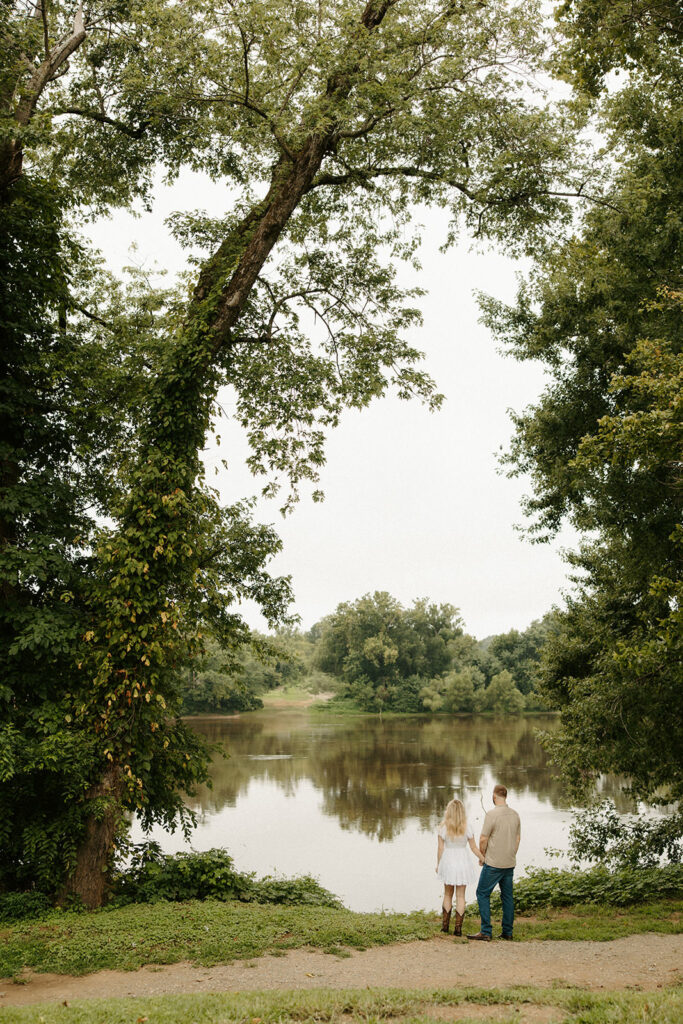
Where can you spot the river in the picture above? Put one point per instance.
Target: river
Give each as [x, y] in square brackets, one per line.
[356, 801]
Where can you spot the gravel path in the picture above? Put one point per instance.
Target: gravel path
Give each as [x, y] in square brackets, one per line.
[638, 961]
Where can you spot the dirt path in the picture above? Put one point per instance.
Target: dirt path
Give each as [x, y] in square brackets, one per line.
[639, 961]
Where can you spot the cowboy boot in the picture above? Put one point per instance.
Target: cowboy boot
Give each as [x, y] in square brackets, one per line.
[445, 919]
[457, 928]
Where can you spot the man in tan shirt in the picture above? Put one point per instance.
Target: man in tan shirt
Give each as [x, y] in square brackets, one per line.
[499, 841]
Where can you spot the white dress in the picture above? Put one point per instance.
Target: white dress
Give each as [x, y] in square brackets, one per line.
[458, 865]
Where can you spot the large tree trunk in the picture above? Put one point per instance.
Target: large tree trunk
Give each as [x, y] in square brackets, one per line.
[90, 880]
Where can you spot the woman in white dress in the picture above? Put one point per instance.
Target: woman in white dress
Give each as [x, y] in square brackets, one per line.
[454, 864]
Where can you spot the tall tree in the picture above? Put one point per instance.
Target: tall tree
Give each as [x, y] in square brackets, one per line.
[602, 312]
[326, 120]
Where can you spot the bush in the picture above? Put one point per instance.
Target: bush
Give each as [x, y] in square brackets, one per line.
[600, 834]
[556, 888]
[16, 905]
[209, 874]
[302, 891]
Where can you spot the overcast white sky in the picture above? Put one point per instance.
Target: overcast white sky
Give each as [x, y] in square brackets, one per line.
[415, 503]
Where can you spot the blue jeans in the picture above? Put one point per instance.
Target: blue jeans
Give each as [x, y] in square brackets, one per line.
[488, 880]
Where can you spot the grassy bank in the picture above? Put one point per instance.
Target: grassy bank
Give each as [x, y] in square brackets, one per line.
[211, 932]
[521, 1004]
[345, 706]
[294, 696]
[206, 932]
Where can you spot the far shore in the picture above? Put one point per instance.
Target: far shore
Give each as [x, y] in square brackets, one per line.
[298, 699]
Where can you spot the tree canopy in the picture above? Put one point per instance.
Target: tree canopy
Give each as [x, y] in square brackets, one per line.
[388, 657]
[325, 121]
[602, 311]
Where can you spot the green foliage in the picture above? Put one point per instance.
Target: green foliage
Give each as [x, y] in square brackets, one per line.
[383, 652]
[54, 471]
[601, 35]
[602, 312]
[601, 834]
[14, 906]
[210, 874]
[324, 122]
[389, 658]
[519, 652]
[216, 688]
[235, 681]
[502, 695]
[555, 888]
[455, 691]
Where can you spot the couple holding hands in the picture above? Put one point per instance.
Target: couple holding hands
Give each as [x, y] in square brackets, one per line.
[498, 843]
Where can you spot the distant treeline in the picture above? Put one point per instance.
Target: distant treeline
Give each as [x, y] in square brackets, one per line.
[376, 655]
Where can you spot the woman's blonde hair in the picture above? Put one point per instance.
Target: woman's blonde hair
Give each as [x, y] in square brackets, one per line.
[454, 819]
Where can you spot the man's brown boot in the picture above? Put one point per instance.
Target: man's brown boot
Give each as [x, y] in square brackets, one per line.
[457, 927]
[445, 919]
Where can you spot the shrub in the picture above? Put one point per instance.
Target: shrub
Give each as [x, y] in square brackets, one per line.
[208, 874]
[600, 834]
[556, 888]
[304, 890]
[17, 905]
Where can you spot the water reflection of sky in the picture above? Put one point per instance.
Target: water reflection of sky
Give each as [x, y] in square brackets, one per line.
[356, 802]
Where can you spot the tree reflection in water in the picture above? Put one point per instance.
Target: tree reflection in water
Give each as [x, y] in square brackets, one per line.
[375, 775]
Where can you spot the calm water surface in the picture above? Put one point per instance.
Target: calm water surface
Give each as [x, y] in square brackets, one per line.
[356, 802]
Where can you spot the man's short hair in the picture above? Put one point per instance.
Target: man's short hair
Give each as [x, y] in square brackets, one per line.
[500, 791]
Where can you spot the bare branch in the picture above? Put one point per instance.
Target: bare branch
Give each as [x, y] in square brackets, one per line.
[46, 37]
[92, 316]
[49, 68]
[245, 56]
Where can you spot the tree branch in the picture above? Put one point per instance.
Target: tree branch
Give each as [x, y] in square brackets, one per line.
[358, 176]
[96, 115]
[46, 37]
[92, 316]
[48, 69]
[365, 177]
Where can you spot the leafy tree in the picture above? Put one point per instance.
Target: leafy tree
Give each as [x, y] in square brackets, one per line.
[519, 652]
[211, 687]
[386, 654]
[223, 684]
[327, 121]
[602, 312]
[455, 691]
[501, 695]
[603, 35]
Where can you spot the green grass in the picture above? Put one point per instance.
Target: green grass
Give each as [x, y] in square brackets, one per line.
[207, 932]
[212, 932]
[369, 1006]
[340, 706]
[600, 923]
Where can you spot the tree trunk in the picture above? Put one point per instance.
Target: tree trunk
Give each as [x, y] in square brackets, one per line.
[90, 880]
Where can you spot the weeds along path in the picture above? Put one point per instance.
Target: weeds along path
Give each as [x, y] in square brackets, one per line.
[639, 961]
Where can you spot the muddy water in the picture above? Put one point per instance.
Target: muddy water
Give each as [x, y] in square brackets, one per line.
[356, 801]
